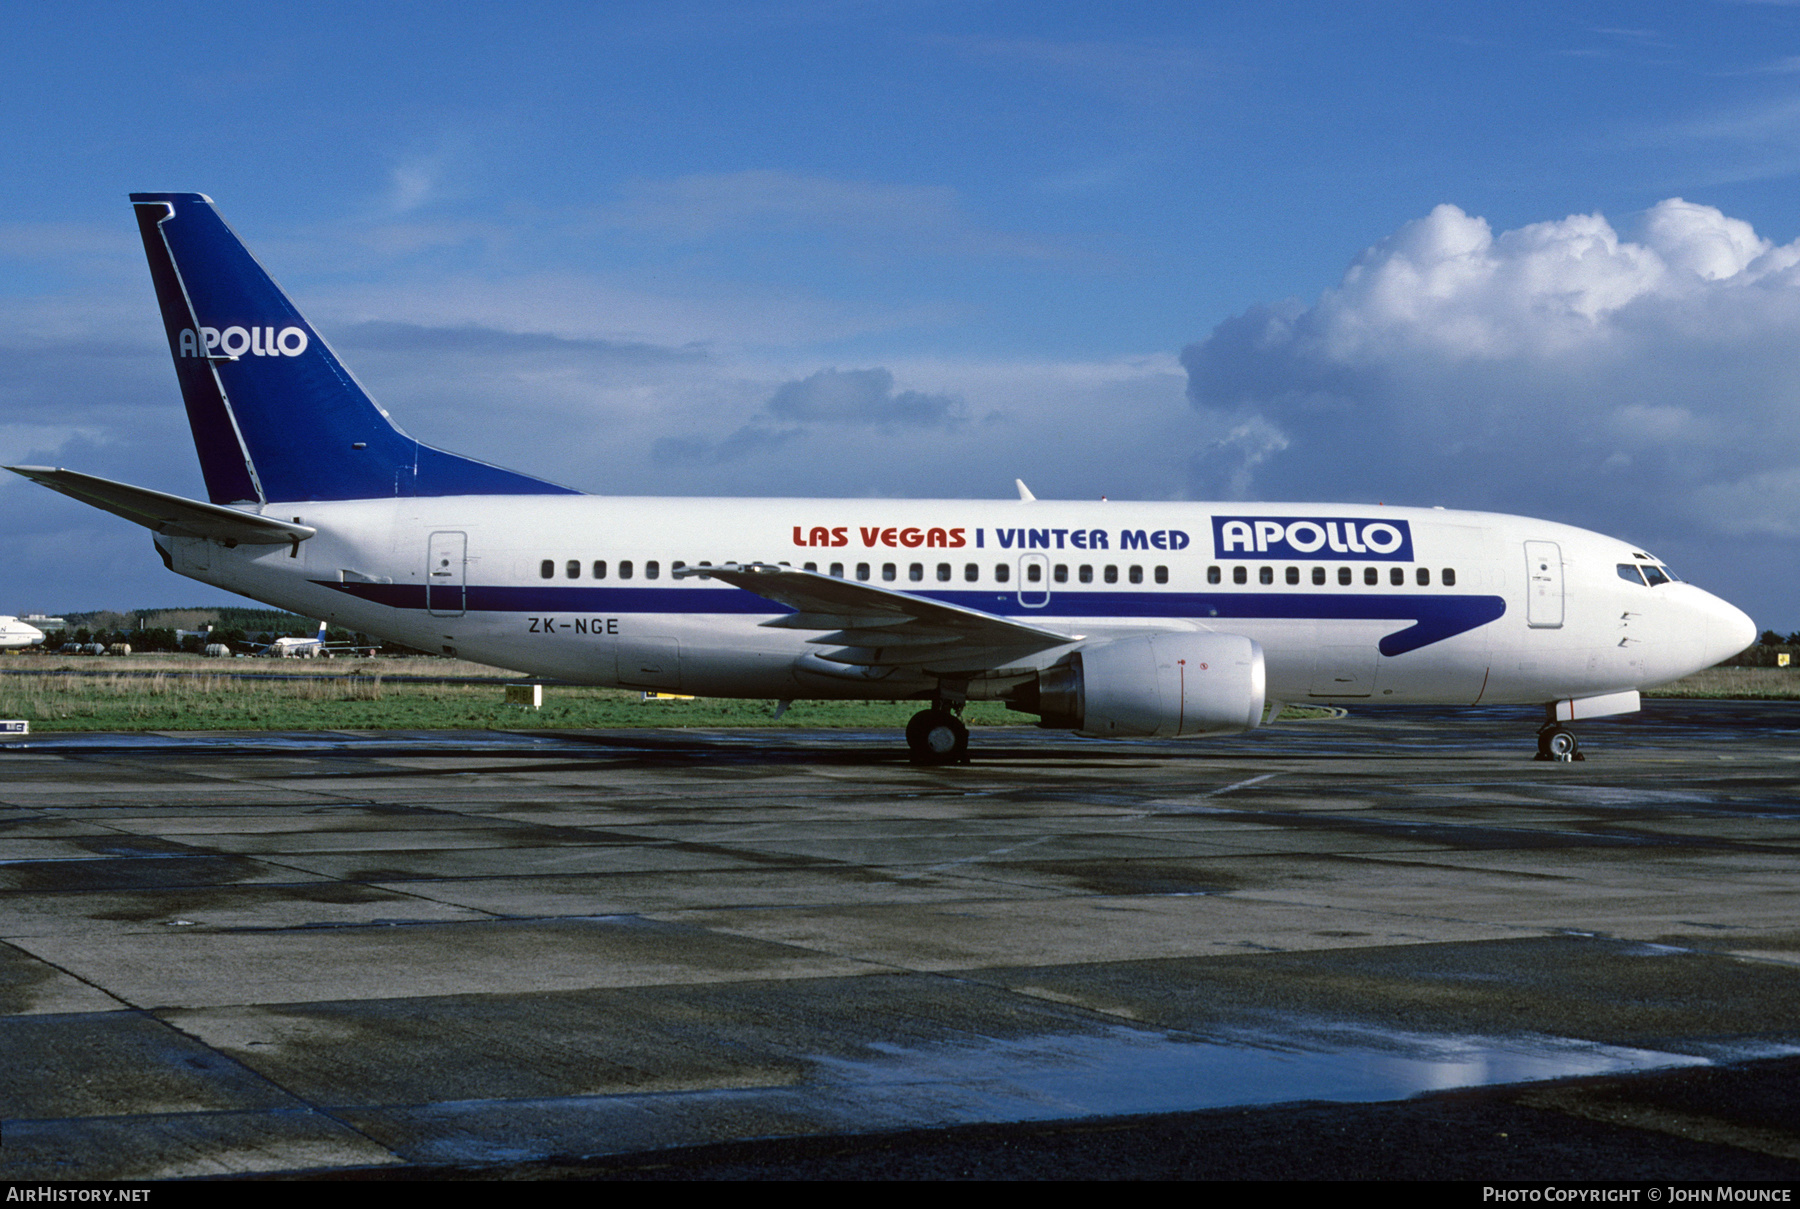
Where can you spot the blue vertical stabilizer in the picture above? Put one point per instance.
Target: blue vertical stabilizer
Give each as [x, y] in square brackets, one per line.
[275, 414]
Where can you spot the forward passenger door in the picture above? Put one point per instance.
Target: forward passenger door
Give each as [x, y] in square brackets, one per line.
[1543, 585]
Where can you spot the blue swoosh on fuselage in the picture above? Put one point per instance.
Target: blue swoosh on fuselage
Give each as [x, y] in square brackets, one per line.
[1434, 618]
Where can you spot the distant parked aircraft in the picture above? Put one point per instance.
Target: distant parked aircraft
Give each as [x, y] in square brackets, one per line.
[303, 648]
[15, 634]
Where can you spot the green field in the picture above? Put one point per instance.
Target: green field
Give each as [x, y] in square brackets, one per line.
[172, 692]
[201, 701]
[1736, 683]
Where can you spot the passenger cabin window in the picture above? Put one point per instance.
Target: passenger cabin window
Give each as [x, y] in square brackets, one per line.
[624, 568]
[1086, 574]
[1344, 577]
[652, 569]
[1448, 577]
[1293, 575]
[573, 570]
[1212, 575]
[803, 566]
[599, 568]
[971, 572]
[1034, 573]
[1060, 573]
[1137, 575]
[1001, 572]
[862, 571]
[1318, 575]
[1371, 576]
[1240, 575]
[837, 570]
[916, 572]
[1162, 575]
[1424, 577]
[943, 573]
[1266, 575]
[1110, 575]
[888, 572]
[1397, 576]
[547, 568]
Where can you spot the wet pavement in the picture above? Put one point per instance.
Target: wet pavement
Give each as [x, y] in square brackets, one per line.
[477, 952]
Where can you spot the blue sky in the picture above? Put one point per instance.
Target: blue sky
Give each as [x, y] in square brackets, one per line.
[1422, 253]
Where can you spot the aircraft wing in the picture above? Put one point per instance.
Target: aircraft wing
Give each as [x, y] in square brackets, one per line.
[164, 513]
[863, 625]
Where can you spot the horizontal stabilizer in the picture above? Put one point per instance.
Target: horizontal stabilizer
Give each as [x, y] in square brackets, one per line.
[164, 513]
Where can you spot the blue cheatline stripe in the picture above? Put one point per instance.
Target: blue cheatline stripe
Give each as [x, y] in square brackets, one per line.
[1434, 618]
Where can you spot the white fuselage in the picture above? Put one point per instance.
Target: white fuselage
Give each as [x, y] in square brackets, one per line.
[581, 588]
[15, 634]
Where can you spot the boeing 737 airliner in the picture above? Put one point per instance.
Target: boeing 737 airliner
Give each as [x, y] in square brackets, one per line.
[1112, 619]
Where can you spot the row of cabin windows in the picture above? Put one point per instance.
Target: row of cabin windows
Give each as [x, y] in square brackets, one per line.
[625, 568]
[1371, 576]
[971, 573]
[915, 573]
[890, 572]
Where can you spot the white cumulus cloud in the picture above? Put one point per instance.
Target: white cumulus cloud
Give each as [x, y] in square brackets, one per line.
[1647, 386]
[1454, 362]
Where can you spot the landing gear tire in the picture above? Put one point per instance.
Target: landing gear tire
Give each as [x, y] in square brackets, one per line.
[937, 736]
[1558, 743]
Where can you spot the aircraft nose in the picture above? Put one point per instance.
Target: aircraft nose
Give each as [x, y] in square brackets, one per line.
[1728, 630]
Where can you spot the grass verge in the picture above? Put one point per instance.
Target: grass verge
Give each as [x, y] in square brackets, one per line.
[211, 701]
[195, 695]
[201, 702]
[1736, 683]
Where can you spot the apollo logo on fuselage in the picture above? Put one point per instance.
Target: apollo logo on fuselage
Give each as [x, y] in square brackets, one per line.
[1297, 537]
[234, 342]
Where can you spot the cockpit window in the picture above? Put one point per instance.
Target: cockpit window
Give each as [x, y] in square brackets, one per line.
[1629, 573]
[1654, 575]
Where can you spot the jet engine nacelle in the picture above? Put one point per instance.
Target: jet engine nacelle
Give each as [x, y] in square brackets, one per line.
[1156, 686]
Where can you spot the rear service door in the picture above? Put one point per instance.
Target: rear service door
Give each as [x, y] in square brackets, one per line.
[447, 554]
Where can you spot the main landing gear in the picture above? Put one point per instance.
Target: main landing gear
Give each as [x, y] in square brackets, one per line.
[937, 736]
[1557, 742]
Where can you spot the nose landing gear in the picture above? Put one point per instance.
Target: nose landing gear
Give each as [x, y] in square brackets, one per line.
[1557, 742]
